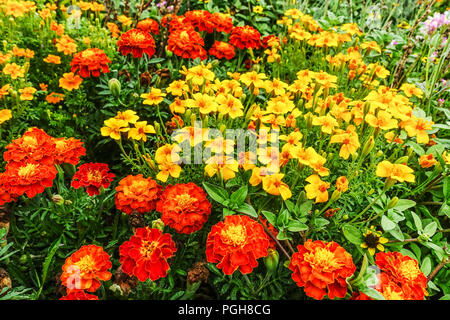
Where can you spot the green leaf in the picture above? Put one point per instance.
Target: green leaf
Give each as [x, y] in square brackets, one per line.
[404, 204]
[430, 229]
[320, 222]
[217, 193]
[271, 217]
[283, 218]
[239, 195]
[445, 297]
[248, 210]
[397, 233]
[374, 294]
[426, 265]
[352, 234]
[417, 221]
[446, 186]
[296, 226]
[47, 262]
[227, 212]
[304, 208]
[155, 60]
[387, 224]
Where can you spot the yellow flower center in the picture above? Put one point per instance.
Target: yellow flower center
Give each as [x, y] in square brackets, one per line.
[185, 201]
[147, 248]
[409, 270]
[137, 37]
[86, 264]
[29, 142]
[390, 294]
[87, 54]
[322, 258]
[27, 171]
[234, 235]
[94, 176]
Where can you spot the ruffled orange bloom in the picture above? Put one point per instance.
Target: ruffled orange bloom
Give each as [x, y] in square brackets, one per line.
[69, 81]
[114, 29]
[5, 194]
[30, 178]
[66, 45]
[148, 25]
[342, 184]
[54, 97]
[137, 42]
[236, 243]
[174, 22]
[405, 272]
[93, 176]
[85, 268]
[322, 269]
[221, 22]
[90, 62]
[27, 93]
[5, 115]
[68, 150]
[52, 59]
[200, 19]
[427, 160]
[245, 37]
[222, 50]
[184, 207]
[136, 193]
[58, 28]
[43, 86]
[20, 52]
[14, 71]
[34, 145]
[79, 295]
[145, 254]
[186, 43]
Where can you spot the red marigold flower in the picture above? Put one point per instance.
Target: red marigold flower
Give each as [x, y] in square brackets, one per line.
[79, 295]
[148, 25]
[85, 268]
[245, 37]
[186, 43]
[5, 194]
[405, 272]
[136, 193]
[184, 207]
[273, 231]
[322, 268]
[34, 145]
[269, 39]
[137, 42]
[222, 50]
[200, 19]
[236, 243]
[145, 254]
[90, 61]
[174, 22]
[93, 176]
[222, 22]
[30, 178]
[68, 150]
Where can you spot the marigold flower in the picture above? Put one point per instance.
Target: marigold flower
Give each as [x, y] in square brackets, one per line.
[349, 141]
[79, 295]
[417, 127]
[145, 254]
[34, 146]
[342, 184]
[114, 29]
[186, 43]
[221, 22]
[136, 193]
[52, 59]
[85, 268]
[113, 128]
[27, 93]
[137, 42]
[54, 97]
[272, 184]
[128, 116]
[69, 81]
[322, 269]
[317, 188]
[140, 131]
[236, 243]
[66, 45]
[222, 50]
[93, 176]
[200, 19]
[148, 25]
[90, 62]
[395, 171]
[371, 45]
[245, 37]
[427, 160]
[225, 167]
[154, 97]
[68, 150]
[5, 115]
[14, 71]
[184, 207]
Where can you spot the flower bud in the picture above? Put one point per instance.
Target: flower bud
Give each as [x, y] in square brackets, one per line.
[193, 119]
[402, 160]
[368, 146]
[354, 156]
[336, 195]
[158, 224]
[379, 153]
[409, 152]
[205, 122]
[56, 198]
[345, 217]
[271, 260]
[67, 202]
[222, 128]
[114, 87]
[392, 203]
[371, 191]
[308, 119]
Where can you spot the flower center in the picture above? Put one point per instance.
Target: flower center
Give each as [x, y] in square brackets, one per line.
[234, 235]
[147, 248]
[409, 270]
[185, 201]
[86, 264]
[29, 142]
[87, 54]
[27, 171]
[322, 258]
[94, 176]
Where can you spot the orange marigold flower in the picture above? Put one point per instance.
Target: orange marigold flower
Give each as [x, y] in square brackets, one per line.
[405, 272]
[322, 269]
[395, 171]
[137, 42]
[5, 193]
[52, 59]
[30, 178]
[245, 37]
[342, 184]
[66, 45]
[221, 22]
[114, 29]
[85, 268]
[68, 150]
[90, 62]
[54, 97]
[200, 19]
[69, 81]
[184, 207]
[145, 254]
[27, 93]
[43, 86]
[269, 41]
[148, 25]
[15, 71]
[93, 176]
[222, 50]
[427, 160]
[174, 22]
[136, 193]
[186, 43]
[5, 115]
[79, 295]
[58, 28]
[236, 243]
[34, 145]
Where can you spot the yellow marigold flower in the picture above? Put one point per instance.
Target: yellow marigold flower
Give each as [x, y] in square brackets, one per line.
[4, 57]
[177, 88]
[380, 71]
[168, 153]
[52, 59]
[5, 115]
[69, 81]
[154, 97]
[66, 45]
[129, 116]
[382, 121]
[140, 131]
[395, 171]
[427, 160]
[446, 157]
[4, 91]
[254, 79]
[229, 105]
[113, 128]
[203, 102]
[351, 29]
[198, 74]
[14, 71]
[126, 21]
[317, 189]
[373, 240]
[27, 93]
[276, 86]
[411, 90]
[417, 127]
[349, 141]
[168, 169]
[342, 184]
[272, 184]
[327, 123]
[292, 140]
[178, 106]
[371, 45]
[225, 167]
[258, 9]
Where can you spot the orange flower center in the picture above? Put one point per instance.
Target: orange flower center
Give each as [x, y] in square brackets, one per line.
[390, 294]
[408, 269]
[94, 176]
[137, 37]
[29, 142]
[185, 201]
[234, 235]
[322, 258]
[27, 171]
[86, 264]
